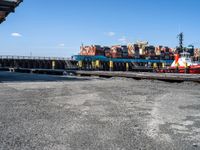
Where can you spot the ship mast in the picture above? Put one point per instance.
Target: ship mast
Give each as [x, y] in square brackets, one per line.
[180, 36]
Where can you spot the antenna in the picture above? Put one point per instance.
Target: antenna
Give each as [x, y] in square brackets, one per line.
[180, 36]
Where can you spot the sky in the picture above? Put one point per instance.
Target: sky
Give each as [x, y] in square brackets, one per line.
[57, 28]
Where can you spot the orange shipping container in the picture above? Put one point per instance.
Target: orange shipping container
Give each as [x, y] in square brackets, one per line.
[83, 51]
[93, 50]
[131, 50]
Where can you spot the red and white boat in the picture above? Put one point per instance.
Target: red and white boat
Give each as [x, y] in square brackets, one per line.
[184, 64]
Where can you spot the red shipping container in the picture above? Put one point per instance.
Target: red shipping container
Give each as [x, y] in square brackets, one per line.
[116, 52]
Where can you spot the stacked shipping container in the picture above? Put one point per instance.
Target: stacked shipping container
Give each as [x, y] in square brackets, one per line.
[92, 50]
[138, 50]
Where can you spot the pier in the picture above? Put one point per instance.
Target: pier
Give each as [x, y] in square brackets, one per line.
[30, 62]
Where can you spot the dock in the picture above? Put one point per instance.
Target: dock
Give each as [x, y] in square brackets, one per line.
[92, 66]
[171, 77]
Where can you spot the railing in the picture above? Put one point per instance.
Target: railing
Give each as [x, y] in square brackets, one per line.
[32, 57]
[103, 58]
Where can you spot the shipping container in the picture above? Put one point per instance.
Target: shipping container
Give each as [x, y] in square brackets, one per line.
[107, 51]
[142, 46]
[136, 51]
[131, 50]
[124, 49]
[83, 51]
[116, 52]
[165, 49]
[92, 50]
[197, 52]
[150, 51]
[157, 51]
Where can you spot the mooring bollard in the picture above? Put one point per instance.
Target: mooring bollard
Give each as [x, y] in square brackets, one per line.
[127, 66]
[93, 65]
[53, 64]
[155, 66]
[97, 64]
[111, 65]
[186, 68]
[80, 65]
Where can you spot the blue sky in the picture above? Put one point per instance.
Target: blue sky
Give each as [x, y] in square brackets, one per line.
[58, 28]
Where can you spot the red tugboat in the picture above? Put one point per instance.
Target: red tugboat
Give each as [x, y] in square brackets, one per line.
[184, 64]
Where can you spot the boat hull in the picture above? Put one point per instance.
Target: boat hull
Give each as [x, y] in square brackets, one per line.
[195, 69]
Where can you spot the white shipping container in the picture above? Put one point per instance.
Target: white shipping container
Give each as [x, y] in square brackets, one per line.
[142, 51]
